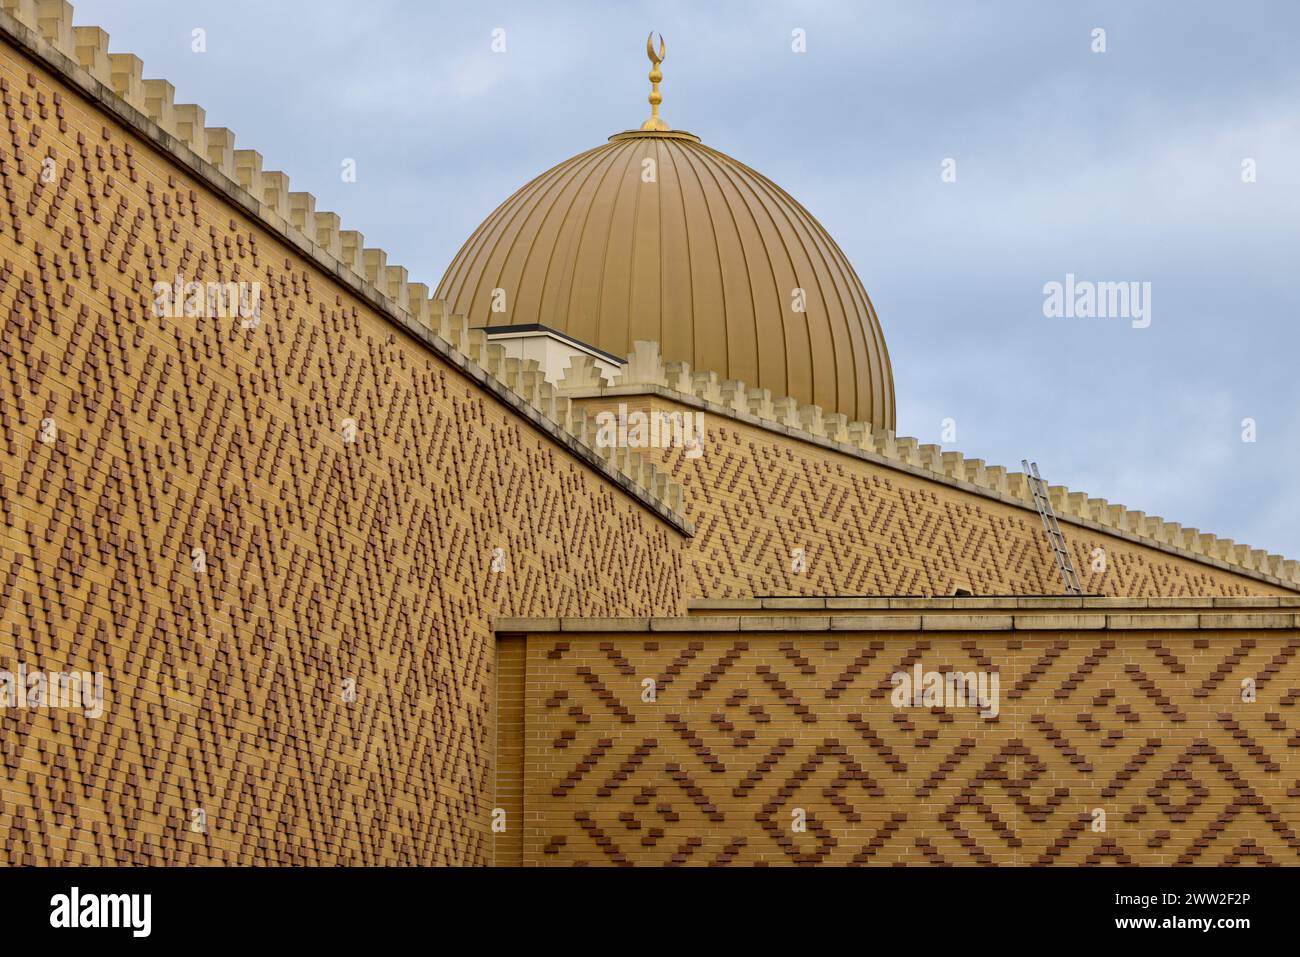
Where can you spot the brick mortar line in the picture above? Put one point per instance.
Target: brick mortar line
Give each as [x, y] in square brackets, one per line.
[932, 624]
[1013, 603]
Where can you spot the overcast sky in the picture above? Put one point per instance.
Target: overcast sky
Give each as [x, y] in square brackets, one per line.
[1125, 165]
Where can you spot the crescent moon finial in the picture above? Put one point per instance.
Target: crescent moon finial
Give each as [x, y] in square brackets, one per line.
[655, 123]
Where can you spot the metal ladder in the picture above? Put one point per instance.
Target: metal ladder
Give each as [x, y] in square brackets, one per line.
[1038, 488]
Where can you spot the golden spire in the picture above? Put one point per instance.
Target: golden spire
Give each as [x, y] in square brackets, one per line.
[655, 123]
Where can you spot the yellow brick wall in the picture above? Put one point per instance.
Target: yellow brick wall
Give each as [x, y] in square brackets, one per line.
[754, 496]
[325, 560]
[747, 727]
[128, 440]
[508, 765]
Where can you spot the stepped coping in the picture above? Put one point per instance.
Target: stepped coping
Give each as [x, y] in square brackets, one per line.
[676, 382]
[79, 56]
[1044, 614]
[838, 603]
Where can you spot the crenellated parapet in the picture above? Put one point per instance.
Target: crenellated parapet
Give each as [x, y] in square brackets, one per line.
[645, 371]
[122, 74]
[342, 252]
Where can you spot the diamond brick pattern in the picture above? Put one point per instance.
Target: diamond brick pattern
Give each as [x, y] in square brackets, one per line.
[755, 496]
[325, 560]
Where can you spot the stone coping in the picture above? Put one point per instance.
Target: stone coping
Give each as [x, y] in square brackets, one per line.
[794, 603]
[1016, 614]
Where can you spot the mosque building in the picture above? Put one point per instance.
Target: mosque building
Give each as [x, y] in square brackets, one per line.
[605, 552]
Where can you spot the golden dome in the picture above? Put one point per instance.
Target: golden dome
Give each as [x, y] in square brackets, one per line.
[655, 236]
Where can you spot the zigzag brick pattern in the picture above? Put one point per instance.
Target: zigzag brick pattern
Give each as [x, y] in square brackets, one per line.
[234, 524]
[756, 496]
[747, 730]
[129, 441]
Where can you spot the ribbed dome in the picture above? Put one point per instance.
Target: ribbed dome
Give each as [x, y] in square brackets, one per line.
[704, 259]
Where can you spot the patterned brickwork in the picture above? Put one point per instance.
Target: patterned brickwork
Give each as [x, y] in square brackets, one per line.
[756, 496]
[748, 728]
[130, 441]
[233, 523]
